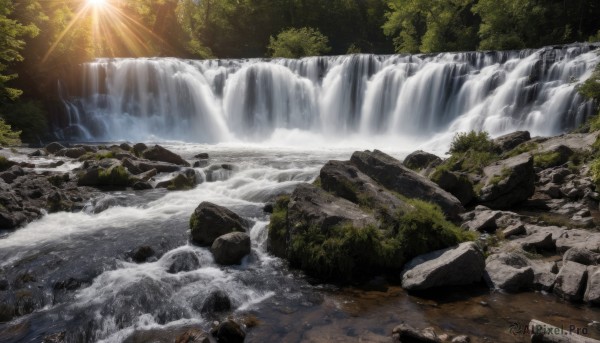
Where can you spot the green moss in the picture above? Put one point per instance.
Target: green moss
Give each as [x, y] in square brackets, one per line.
[547, 159]
[278, 226]
[317, 182]
[115, 176]
[522, 148]
[5, 163]
[496, 179]
[595, 172]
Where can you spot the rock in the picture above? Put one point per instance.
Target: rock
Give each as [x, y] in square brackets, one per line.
[139, 148]
[158, 153]
[125, 147]
[406, 333]
[558, 175]
[582, 256]
[268, 208]
[456, 266]
[458, 184]
[544, 275]
[541, 241]
[592, 290]
[571, 281]
[217, 301]
[578, 238]
[200, 164]
[461, 339]
[346, 181]
[202, 156]
[146, 176]
[71, 152]
[142, 254]
[546, 333]
[510, 272]
[183, 180]
[184, 261]
[508, 182]
[229, 332]
[209, 221]
[193, 336]
[512, 140]
[53, 147]
[161, 167]
[38, 153]
[391, 174]
[552, 156]
[58, 337]
[131, 166]
[420, 160]
[552, 190]
[514, 230]
[483, 221]
[231, 248]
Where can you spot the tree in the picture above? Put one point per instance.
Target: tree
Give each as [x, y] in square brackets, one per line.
[11, 44]
[8, 137]
[431, 25]
[296, 43]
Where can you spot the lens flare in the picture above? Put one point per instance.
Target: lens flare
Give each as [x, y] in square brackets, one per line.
[97, 3]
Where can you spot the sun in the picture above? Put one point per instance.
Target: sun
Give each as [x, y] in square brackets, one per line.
[97, 3]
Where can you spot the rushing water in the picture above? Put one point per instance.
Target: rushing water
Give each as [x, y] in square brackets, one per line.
[397, 98]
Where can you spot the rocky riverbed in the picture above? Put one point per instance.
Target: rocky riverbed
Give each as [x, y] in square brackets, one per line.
[135, 242]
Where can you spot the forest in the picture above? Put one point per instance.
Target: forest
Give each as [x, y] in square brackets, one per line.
[42, 40]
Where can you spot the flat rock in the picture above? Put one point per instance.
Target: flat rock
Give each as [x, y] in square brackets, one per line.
[390, 173]
[456, 266]
[514, 230]
[512, 140]
[406, 333]
[158, 153]
[592, 290]
[582, 256]
[510, 272]
[508, 182]
[540, 241]
[483, 221]
[571, 281]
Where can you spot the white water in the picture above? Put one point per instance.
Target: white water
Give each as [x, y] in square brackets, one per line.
[355, 99]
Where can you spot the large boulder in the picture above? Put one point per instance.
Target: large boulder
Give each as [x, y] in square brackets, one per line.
[457, 184]
[571, 281]
[158, 153]
[582, 256]
[182, 180]
[231, 248]
[508, 182]
[217, 301]
[592, 290]
[183, 261]
[510, 272]
[229, 332]
[72, 152]
[391, 174]
[53, 147]
[209, 221]
[345, 180]
[512, 140]
[456, 266]
[420, 160]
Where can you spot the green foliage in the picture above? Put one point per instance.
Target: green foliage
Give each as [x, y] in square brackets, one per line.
[547, 159]
[591, 90]
[278, 227]
[522, 148]
[8, 137]
[296, 43]
[595, 172]
[471, 141]
[5, 163]
[28, 117]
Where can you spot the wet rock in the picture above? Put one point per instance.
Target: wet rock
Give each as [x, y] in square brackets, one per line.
[184, 261]
[390, 173]
[202, 156]
[200, 164]
[508, 182]
[132, 166]
[458, 184]
[231, 248]
[183, 180]
[142, 254]
[406, 333]
[146, 176]
[193, 336]
[461, 339]
[582, 256]
[420, 160]
[592, 291]
[571, 281]
[53, 147]
[268, 208]
[38, 153]
[217, 301]
[139, 148]
[58, 337]
[158, 153]
[71, 152]
[161, 167]
[536, 242]
[510, 272]
[125, 147]
[512, 140]
[514, 230]
[460, 265]
[229, 332]
[209, 221]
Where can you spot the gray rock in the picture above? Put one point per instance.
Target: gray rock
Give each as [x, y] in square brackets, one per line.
[420, 160]
[161, 167]
[231, 248]
[483, 221]
[139, 148]
[514, 230]
[406, 333]
[391, 174]
[455, 183]
[510, 272]
[217, 301]
[592, 291]
[582, 256]
[460, 265]
[53, 147]
[512, 140]
[209, 221]
[202, 156]
[229, 332]
[461, 339]
[184, 261]
[544, 275]
[545, 333]
[578, 238]
[571, 281]
[158, 153]
[182, 180]
[71, 152]
[541, 241]
[508, 182]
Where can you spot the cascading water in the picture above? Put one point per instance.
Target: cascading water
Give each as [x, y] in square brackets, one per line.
[416, 96]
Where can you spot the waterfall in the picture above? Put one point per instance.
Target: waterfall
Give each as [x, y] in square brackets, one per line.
[410, 96]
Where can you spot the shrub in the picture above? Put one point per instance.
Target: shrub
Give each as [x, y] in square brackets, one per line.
[595, 172]
[8, 137]
[472, 141]
[296, 43]
[5, 163]
[547, 159]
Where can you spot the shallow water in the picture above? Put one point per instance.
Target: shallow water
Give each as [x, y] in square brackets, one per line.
[114, 297]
